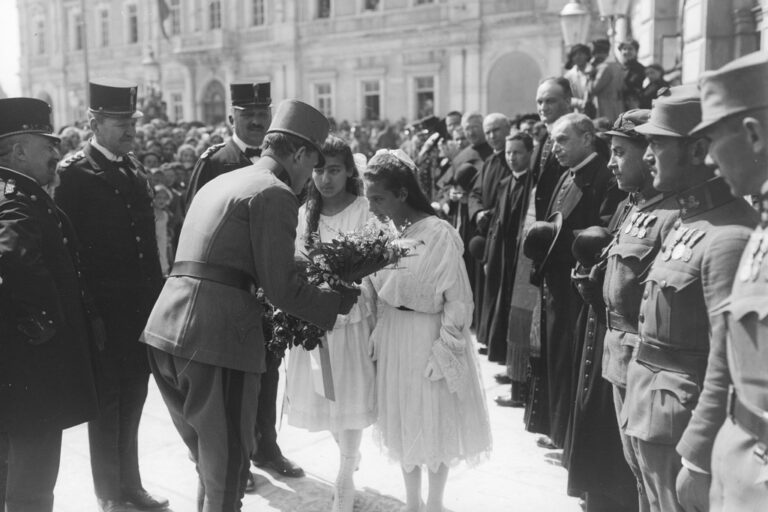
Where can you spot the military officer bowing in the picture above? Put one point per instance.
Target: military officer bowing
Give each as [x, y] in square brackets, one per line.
[691, 274]
[46, 370]
[735, 120]
[207, 346]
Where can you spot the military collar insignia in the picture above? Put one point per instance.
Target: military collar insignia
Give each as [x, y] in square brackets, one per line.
[703, 197]
[74, 157]
[756, 250]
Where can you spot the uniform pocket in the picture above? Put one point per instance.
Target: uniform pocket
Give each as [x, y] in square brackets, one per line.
[673, 397]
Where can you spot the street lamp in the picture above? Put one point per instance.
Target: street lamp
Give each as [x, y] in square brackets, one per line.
[613, 11]
[574, 21]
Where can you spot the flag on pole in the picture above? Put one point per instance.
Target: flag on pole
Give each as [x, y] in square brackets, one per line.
[165, 13]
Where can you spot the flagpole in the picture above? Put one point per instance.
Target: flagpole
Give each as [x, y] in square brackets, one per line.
[85, 54]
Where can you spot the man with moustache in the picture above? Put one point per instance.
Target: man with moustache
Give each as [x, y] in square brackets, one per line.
[735, 120]
[47, 379]
[207, 349]
[642, 221]
[585, 195]
[106, 193]
[692, 273]
[250, 117]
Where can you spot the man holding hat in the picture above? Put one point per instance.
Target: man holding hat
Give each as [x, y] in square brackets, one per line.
[647, 216]
[692, 273]
[205, 334]
[47, 379]
[735, 120]
[250, 117]
[106, 193]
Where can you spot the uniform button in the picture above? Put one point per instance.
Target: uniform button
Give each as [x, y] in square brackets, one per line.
[586, 389]
[65, 240]
[138, 239]
[45, 312]
[49, 211]
[117, 192]
[33, 197]
[128, 206]
[588, 362]
[641, 317]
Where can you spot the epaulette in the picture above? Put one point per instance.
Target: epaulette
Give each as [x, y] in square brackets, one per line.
[134, 160]
[74, 157]
[211, 150]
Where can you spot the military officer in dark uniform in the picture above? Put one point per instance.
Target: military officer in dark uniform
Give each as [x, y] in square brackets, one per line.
[47, 379]
[691, 274]
[250, 117]
[735, 119]
[105, 191]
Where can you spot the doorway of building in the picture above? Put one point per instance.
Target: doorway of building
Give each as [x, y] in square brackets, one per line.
[214, 103]
[512, 84]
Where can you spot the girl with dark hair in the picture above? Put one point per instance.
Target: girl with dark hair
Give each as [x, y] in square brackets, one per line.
[432, 409]
[334, 205]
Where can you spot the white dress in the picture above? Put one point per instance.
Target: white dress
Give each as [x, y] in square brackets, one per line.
[348, 345]
[423, 312]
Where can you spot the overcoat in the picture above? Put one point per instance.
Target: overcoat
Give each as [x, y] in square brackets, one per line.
[245, 220]
[46, 360]
[111, 211]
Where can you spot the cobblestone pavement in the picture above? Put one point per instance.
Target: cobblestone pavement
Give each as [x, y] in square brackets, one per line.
[518, 477]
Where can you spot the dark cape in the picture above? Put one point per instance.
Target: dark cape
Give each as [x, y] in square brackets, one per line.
[501, 261]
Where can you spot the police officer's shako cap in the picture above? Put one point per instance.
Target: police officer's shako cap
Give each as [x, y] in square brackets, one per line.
[25, 115]
[303, 121]
[113, 97]
[248, 94]
[674, 115]
[627, 122]
[737, 87]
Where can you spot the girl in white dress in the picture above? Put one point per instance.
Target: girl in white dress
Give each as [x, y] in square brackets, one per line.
[334, 205]
[432, 409]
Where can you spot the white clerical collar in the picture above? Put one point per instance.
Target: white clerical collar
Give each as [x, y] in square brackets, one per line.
[240, 144]
[104, 151]
[517, 175]
[583, 163]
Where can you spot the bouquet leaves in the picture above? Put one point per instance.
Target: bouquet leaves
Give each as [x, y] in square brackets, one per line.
[339, 264]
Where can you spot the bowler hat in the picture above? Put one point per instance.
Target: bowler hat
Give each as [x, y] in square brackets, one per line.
[429, 124]
[627, 122]
[737, 87]
[303, 121]
[464, 175]
[541, 239]
[601, 45]
[113, 97]
[674, 115]
[247, 94]
[25, 115]
[588, 245]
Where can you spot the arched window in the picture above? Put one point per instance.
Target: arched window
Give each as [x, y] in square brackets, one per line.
[214, 103]
[214, 14]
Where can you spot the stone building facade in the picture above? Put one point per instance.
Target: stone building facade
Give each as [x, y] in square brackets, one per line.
[353, 59]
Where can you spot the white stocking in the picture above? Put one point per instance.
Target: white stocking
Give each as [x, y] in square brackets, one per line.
[349, 452]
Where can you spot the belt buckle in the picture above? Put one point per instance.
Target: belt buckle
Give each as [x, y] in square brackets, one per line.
[761, 452]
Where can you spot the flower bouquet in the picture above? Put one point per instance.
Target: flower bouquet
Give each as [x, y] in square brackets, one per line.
[338, 264]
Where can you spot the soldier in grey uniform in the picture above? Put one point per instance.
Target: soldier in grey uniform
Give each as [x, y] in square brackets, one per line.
[648, 216]
[691, 274]
[735, 119]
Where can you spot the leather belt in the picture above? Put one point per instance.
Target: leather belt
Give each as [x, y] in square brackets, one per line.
[752, 421]
[681, 361]
[221, 274]
[617, 322]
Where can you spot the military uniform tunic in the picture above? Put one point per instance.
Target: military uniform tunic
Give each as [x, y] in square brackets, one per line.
[692, 273]
[215, 161]
[739, 462]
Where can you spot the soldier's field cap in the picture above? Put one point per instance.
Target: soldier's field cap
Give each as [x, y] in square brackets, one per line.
[737, 87]
[25, 115]
[113, 97]
[303, 121]
[674, 115]
[627, 122]
[248, 95]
